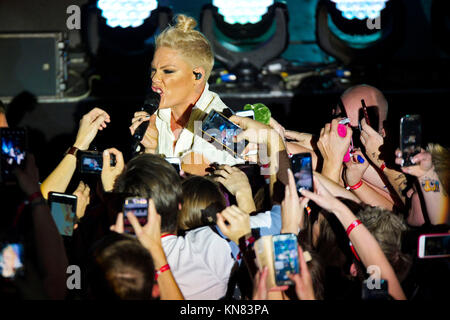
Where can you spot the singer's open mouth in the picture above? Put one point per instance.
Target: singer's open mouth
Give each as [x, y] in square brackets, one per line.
[158, 90]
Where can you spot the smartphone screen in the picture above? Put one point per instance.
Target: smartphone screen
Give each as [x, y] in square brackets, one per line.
[91, 162]
[13, 151]
[434, 246]
[285, 251]
[138, 207]
[63, 208]
[11, 260]
[217, 129]
[301, 164]
[410, 137]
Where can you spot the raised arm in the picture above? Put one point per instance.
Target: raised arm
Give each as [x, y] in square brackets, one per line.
[436, 201]
[363, 241]
[354, 172]
[236, 182]
[373, 143]
[150, 237]
[60, 178]
[333, 149]
[48, 242]
[274, 155]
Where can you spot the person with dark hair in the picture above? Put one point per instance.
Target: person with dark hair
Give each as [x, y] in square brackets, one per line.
[201, 261]
[122, 270]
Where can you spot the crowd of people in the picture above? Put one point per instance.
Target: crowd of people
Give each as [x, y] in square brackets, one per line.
[361, 221]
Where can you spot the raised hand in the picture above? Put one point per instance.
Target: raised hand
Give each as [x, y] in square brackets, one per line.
[292, 214]
[109, 173]
[94, 120]
[372, 141]
[83, 199]
[423, 163]
[332, 146]
[150, 140]
[238, 223]
[303, 281]
[355, 169]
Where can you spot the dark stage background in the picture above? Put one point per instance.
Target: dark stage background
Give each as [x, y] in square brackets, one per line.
[414, 79]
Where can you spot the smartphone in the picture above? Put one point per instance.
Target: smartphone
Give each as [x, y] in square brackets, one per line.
[380, 293]
[370, 114]
[11, 260]
[247, 113]
[217, 129]
[410, 137]
[92, 161]
[434, 246]
[285, 252]
[138, 207]
[175, 162]
[301, 165]
[13, 152]
[63, 208]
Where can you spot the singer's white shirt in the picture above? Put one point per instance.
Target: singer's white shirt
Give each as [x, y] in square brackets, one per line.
[187, 140]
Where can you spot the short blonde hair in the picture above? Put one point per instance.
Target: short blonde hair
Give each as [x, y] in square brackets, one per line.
[191, 44]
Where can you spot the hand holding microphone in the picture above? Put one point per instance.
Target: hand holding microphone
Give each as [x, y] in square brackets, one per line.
[143, 127]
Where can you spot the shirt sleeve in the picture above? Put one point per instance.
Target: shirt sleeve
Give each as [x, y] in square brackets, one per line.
[269, 222]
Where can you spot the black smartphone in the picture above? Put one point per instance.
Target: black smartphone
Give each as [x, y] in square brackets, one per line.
[63, 208]
[11, 260]
[138, 207]
[285, 252]
[13, 152]
[410, 137]
[92, 161]
[301, 164]
[370, 113]
[218, 130]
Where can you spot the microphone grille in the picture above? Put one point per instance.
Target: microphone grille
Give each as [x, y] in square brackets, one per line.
[151, 102]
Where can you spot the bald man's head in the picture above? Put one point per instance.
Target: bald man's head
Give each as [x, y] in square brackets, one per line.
[351, 99]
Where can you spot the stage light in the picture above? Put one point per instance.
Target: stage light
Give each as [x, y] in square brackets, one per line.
[245, 35]
[244, 11]
[359, 31]
[126, 13]
[360, 9]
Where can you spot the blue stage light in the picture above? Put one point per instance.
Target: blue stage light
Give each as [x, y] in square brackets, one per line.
[360, 9]
[243, 11]
[126, 13]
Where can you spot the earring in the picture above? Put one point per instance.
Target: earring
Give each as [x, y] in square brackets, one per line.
[198, 75]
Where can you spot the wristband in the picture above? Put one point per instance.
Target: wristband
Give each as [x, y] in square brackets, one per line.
[354, 187]
[352, 226]
[72, 150]
[383, 166]
[35, 195]
[244, 244]
[161, 270]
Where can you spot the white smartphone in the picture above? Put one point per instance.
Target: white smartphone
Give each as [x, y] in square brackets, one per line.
[175, 162]
[434, 246]
[247, 113]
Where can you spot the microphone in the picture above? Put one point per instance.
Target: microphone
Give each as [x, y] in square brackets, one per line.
[151, 104]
